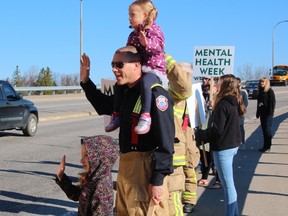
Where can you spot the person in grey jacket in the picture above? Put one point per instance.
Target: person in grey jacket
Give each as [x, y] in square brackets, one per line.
[244, 94]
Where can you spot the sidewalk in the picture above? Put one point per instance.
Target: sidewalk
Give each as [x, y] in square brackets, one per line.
[260, 178]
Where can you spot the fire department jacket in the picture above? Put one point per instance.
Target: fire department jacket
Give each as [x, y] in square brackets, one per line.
[159, 140]
[180, 88]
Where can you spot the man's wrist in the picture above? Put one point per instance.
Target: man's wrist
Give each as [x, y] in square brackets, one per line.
[157, 179]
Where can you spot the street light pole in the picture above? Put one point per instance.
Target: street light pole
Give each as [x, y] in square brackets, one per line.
[273, 34]
[81, 34]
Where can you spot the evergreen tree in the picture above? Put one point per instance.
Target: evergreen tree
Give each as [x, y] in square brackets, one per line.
[45, 78]
[17, 79]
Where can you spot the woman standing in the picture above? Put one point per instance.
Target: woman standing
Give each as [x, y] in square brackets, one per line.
[265, 110]
[224, 136]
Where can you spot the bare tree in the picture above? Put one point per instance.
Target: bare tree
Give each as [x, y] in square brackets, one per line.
[70, 79]
[262, 72]
[30, 76]
[247, 72]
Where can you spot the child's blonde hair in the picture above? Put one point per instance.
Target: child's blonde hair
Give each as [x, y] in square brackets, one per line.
[148, 7]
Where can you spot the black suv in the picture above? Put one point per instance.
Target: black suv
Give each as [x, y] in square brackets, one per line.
[16, 112]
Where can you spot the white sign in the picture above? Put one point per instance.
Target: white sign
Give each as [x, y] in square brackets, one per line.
[107, 86]
[107, 89]
[196, 107]
[212, 61]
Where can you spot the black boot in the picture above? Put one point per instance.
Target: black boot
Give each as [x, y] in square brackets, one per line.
[269, 141]
[188, 208]
[264, 150]
[267, 144]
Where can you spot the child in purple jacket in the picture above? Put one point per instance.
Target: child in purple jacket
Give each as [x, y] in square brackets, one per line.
[148, 39]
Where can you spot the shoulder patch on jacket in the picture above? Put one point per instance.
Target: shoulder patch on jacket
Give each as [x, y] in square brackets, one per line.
[162, 103]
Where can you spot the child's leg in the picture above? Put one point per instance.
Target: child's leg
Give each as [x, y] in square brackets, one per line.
[146, 93]
[144, 123]
[115, 121]
[118, 92]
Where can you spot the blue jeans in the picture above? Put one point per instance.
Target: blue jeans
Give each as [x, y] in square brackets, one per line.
[224, 164]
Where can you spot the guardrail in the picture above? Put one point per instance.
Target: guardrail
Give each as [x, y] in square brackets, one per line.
[52, 89]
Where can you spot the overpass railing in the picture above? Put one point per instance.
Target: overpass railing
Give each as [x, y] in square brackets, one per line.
[51, 89]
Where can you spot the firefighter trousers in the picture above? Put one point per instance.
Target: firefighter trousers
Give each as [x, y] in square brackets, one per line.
[192, 154]
[132, 196]
[176, 186]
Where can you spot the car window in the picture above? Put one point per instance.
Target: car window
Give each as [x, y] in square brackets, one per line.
[9, 92]
[1, 95]
[252, 83]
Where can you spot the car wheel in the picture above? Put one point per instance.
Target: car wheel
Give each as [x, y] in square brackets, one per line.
[31, 127]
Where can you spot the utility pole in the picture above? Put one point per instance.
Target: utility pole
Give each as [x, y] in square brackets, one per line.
[273, 35]
[81, 31]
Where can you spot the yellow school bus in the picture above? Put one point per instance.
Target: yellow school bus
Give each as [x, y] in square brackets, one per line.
[280, 75]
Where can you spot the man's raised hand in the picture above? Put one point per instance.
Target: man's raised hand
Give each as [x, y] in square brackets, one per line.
[84, 68]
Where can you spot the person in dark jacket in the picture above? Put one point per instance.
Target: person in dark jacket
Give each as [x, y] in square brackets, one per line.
[265, 110]
[95, 191]
[145, 160]
[224, 136]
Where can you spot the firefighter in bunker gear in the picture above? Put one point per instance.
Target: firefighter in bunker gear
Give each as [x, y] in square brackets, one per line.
[145, 159]
[180, 88]
[189, 195]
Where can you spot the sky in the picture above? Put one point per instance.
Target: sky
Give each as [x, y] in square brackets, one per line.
[46, 33]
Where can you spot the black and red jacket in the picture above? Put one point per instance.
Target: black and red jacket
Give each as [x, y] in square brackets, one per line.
[159, 140]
